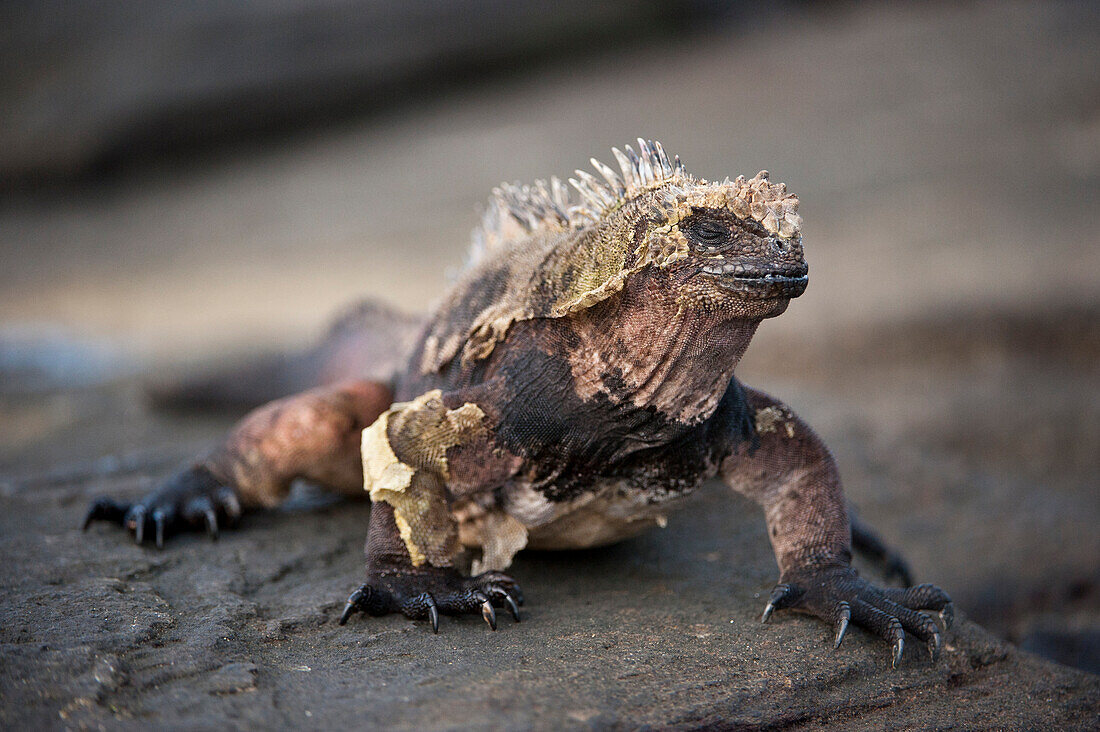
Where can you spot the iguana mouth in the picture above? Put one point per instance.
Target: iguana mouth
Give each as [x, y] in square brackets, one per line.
[759, 282]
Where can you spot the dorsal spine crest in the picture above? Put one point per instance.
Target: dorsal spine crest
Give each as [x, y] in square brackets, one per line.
[547, 206]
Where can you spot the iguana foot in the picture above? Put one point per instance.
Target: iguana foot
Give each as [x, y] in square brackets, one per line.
[192, 500]
[420, 595]
[838, 596]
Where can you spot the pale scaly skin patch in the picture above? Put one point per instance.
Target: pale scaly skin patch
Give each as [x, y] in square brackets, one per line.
[500, 537]
[405, 465]
[774, 419]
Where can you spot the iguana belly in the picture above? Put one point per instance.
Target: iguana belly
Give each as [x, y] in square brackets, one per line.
[611, 512]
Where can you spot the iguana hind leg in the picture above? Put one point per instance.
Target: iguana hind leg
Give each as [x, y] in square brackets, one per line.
[314, 435]
[366, 341]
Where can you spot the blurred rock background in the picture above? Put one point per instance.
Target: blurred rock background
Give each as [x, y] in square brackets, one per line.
[181, 184]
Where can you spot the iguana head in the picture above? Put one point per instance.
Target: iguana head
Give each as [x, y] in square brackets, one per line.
[737, 243]
[732, 248]
[734, 245]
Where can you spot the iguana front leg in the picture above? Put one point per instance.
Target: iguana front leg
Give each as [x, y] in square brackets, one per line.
[312, 435]
[412, 545]
[790, 472]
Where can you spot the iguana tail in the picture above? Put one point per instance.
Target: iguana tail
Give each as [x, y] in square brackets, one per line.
[367, 341]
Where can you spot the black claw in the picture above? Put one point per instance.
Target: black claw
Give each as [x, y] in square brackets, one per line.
[137, 518]
[935, 644]
[500, 582]
[948, 615]
[512, 606]
[487, 610]
[420, 596]
[193, 499]
[844, 615]
[899, 646]
[230, 504]
[159, 520]
[351, 606]
[211, 523]
[779, 598]
[433, 613]
[840, 597]
[506, 598]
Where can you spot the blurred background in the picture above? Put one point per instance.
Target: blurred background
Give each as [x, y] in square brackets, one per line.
[186, 183]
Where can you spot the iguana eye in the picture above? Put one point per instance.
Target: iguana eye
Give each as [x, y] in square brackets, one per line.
[708, 232]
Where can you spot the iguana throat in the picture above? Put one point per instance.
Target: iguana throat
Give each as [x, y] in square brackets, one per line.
[642, 347]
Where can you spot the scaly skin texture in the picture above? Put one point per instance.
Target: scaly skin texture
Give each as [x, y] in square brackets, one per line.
[574, 383]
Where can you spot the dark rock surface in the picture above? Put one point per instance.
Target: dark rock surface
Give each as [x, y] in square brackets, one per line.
[661, 631]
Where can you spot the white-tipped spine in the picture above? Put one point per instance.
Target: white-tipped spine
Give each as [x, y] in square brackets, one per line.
[601, 191]
[628, 169]
[662, 158]
[610, 176]
[589, 198]
[548, 205]
[646, 155]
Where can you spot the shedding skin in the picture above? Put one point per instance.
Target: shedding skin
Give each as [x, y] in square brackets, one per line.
[576, 380]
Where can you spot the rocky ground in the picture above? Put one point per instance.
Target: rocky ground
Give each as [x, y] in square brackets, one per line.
[948, 350]
[662, 630]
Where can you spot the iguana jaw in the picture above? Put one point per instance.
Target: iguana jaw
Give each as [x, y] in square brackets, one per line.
[757, 283]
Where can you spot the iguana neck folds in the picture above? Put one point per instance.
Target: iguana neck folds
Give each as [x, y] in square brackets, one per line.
[643, 348]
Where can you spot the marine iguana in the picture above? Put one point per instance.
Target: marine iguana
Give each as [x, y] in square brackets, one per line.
[574, 383]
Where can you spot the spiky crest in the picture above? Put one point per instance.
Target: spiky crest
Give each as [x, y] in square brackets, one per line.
[515, 211]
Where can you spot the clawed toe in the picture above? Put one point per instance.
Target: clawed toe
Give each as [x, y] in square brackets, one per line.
[135, 522]
[201, 511]
[843, 616]
[487, 611]
[506, 599]
[881, 623]
[841, 597]
[369, 600]
[782, 596]
[451, 594]
[351, 606]
[105, 509]
[498, 582]
[192, 500]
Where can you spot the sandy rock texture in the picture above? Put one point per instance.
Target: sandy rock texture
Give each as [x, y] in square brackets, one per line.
[662, 631]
